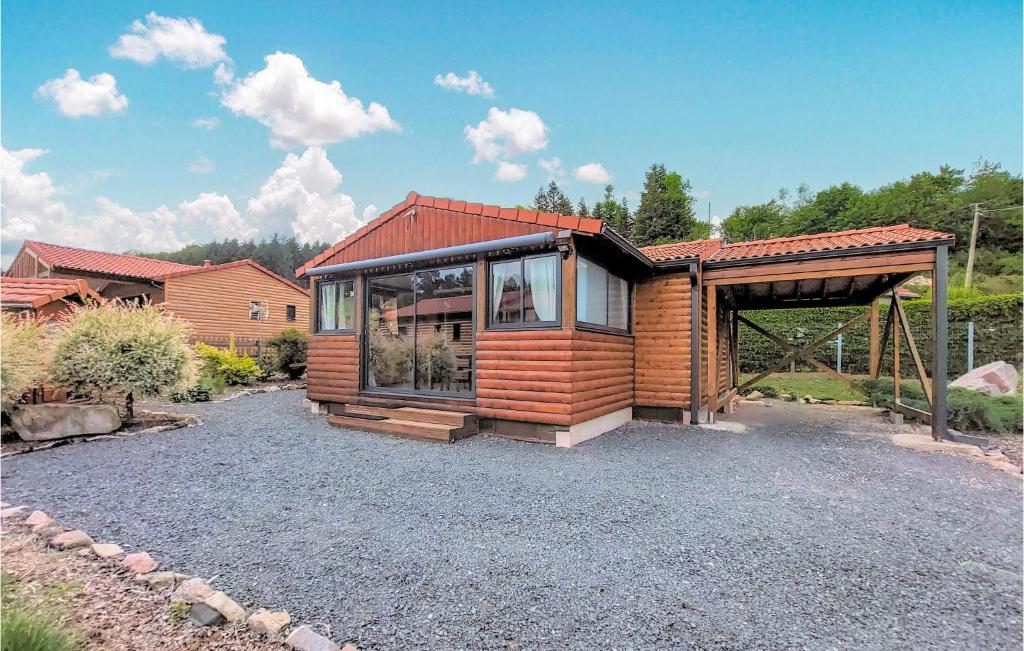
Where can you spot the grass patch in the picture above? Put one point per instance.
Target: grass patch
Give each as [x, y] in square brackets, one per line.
[33, 628]
[805, 384]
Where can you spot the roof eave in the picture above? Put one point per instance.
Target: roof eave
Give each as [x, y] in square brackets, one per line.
[831, 253]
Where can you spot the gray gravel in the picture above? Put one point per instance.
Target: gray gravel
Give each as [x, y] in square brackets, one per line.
[797, 533]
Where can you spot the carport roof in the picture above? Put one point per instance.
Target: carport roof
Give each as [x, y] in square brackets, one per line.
[840, 241]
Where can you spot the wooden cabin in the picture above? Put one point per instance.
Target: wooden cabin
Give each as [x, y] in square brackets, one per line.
[240, 299]
[43, 299]
[441, 318]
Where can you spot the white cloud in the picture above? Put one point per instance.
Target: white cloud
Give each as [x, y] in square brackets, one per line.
[206, 123]
[301, 196]
[471, 84]
[702, 194]
[116, 228]
[218, 213]
[506, 134]
[28, 202]
[592, 173]
[553, 167]
[301, 110]
[182, 40]
[201, 165]
[76, 97]
[223, 75]
[369, 212]
[507, 172]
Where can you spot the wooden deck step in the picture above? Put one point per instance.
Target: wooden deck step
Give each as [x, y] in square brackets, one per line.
[413, 429]
[453, 418]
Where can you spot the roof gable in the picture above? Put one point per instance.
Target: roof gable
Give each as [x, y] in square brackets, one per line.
[522, 216]
[101, 262]
[247, 262]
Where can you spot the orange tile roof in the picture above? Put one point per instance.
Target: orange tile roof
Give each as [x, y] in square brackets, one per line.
[37, 292]
[853, 239]
[681, 250]
[114, 264]
[569, 222]
[228, 265]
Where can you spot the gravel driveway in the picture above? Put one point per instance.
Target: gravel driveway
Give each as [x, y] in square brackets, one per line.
[798, 533]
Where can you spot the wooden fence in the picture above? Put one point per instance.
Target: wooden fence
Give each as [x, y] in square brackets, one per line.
[244, 345]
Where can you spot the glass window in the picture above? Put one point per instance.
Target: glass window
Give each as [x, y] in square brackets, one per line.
[289, 312]
[602, 298]
[257, 310]
[524, 292]
[335, 306]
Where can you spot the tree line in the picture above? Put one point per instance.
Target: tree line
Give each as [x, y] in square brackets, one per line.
[281, 255]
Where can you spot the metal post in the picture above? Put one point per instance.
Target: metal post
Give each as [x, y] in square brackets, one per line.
[839, 353]
[970, 345]
[941, 340]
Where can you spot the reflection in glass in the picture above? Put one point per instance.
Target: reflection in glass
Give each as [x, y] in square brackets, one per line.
[389, 333]
[506, 281]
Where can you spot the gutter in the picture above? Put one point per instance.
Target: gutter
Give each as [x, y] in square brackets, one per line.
[521, 241]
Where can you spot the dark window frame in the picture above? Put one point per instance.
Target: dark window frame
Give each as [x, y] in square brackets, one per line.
[426, 393]
[598, 327]
[521, 324]
[290, 313]
[355, 306]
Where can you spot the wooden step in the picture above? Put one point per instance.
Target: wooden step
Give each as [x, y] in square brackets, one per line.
[412, 429]
[453, 418]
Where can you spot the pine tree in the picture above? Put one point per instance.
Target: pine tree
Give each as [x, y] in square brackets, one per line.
[581, 208]
[552, 200]
[614, 213]
[666, 210]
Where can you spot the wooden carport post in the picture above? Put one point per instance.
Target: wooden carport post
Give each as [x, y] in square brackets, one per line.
[712, 335]
[940, 340]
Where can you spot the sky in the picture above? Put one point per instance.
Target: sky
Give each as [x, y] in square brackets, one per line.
[148, 126]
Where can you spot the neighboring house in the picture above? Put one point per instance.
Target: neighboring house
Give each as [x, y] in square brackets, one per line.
[443, 316]
[238, 298]
[44, 299]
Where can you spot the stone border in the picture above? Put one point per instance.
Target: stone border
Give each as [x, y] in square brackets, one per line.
[204, 605]
[249, 391]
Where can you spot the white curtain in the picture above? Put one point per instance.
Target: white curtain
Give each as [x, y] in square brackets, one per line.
[541, 275]
[499, 274]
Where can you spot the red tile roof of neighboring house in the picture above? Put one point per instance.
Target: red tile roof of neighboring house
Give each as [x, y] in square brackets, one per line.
[681, 250]
[37, 292]
[569, 222]
[114, 264]
[854, 239]
[228, 265]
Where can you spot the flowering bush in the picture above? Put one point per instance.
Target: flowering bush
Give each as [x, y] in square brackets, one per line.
[135, 350]
[22, 358]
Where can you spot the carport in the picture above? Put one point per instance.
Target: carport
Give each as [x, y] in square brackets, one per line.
[827, 270]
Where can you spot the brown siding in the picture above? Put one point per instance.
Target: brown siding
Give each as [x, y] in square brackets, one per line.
[525, 375]
[430, 228]
[704, 344]
[333, 371]
[216, 303]
[602, 374]
[662, 327]
[26, 265]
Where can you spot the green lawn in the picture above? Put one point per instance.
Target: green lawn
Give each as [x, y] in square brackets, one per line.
[816, 385]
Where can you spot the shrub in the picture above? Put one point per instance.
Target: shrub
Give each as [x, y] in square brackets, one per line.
[22, 358]
[135, 350]
[292, 348]
[25, 631]
[227, 365]
[390, 358]
[435, 361]
[966, 409]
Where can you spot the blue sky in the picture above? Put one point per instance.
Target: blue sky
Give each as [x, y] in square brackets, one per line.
[741, 98]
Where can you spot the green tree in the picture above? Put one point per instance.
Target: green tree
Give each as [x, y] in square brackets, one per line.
[614, 213]
[553, 200]
[763, 221]
[581, 208]
[666, 210]
[823, 212]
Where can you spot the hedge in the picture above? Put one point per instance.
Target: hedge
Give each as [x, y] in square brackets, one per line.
[997, 334]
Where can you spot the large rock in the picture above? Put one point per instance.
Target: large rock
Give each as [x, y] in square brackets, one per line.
[268, 623]
[192, 591]
[227, 607]
[56, 420]
[72, 540]
[995, 379]
[38, 520]
[304, 638]
[107, 550]
[139, 562]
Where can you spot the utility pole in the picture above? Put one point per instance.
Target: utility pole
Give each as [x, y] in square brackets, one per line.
[974, 243]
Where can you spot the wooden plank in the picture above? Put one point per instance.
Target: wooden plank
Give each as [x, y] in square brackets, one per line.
[712, 338]
[761, 267]
[873, 349]
[861, 271]
[912, 347]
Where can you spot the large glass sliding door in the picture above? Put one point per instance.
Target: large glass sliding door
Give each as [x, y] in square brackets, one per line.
[419, 332]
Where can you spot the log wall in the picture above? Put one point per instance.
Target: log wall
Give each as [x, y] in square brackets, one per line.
[602, 374]
[662, 327]
[216, 303]
[333, 368]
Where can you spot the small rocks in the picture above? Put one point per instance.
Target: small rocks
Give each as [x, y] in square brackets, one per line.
[139, 562]
[205, 615]
[304, 638]
[753, 395]
[107, 550]
[12, 512]
[268, 623]
[38, 520]
[49, 532]
[162, 580]
[192, 591]
[224, 605]
[72, 540]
